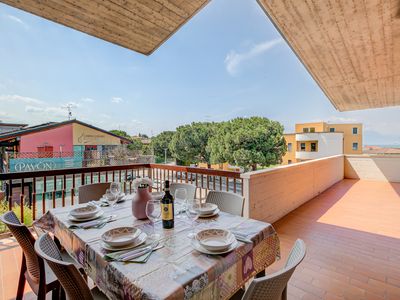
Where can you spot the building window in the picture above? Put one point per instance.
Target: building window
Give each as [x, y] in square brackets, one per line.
[289, 147]
[355, 130]
[313, 147]
[289, 161]
[331, 129]
[305, 130]
[45, 151]
[355, 146]
[312, 129]
[302, 146]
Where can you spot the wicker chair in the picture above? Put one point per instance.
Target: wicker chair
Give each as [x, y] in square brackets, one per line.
[227, 202]
[190, 189]
[274, 286]
[70, 278]
[93, 191]
[33, 269]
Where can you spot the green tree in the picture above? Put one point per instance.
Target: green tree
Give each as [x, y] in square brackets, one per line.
[189, 143]
[135, 144]
[121, 133]
[161, 142]
[143, 135]
[248, 142]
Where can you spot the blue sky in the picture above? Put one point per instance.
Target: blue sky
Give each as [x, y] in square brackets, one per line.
[227, 61]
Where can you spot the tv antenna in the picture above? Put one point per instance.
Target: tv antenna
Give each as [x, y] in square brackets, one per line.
[69, 107]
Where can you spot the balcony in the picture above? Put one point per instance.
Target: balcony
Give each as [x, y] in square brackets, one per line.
[307, 155]
[327, 144]
[353, 247]
[305, 137]
[42, 190]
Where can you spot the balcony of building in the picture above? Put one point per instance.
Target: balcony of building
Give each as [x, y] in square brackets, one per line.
[344, 207]
[314, 145]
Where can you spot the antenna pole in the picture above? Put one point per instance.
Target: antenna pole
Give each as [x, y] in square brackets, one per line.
[69, 109]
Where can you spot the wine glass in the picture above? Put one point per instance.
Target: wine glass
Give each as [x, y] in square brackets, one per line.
[115, 191]
[192, 212]
[180, 199]
[153, 212]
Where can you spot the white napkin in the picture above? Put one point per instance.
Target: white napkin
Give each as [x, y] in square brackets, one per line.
[88, 224]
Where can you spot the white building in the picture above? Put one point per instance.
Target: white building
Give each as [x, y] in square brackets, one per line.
[320, 144]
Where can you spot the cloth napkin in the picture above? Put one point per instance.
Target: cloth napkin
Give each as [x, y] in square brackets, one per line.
[140, 259]
[88, 224]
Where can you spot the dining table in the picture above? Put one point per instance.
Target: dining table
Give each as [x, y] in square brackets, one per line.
[174, 271]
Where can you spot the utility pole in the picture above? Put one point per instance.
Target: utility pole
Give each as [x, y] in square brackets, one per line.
[165, 155]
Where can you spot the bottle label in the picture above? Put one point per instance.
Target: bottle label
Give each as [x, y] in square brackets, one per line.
[167, 212]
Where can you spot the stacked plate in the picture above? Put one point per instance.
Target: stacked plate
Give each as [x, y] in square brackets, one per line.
[214, 241]
[122, 238]
[85, 213]
[208, 210]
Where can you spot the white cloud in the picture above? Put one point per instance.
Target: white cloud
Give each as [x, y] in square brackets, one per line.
[18, 98]
[105, 116]
[47, 112]
[18, 20]
[234, 59]
[136, 122]
[342, 120]
[4, 115]
[117, 100]
[33, 109]
[55, 111]
[87, 100]
[72, 104]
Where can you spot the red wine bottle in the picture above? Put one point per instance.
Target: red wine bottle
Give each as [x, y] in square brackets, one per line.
[167, 208]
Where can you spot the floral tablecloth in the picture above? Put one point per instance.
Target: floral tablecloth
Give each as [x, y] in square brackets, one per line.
[176, 271]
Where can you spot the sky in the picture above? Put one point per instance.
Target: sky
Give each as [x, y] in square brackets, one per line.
[228, 61]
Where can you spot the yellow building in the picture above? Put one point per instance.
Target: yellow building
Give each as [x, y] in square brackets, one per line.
[321, 139]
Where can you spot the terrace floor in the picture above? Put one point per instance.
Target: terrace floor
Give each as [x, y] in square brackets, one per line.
[352, 232]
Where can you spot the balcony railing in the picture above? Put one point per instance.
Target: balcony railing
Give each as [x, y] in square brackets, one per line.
[43, 190]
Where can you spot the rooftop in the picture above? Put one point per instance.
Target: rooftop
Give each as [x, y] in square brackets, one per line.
[50, 125]
[353, 248]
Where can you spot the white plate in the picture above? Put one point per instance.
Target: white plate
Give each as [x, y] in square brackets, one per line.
[121, 198]
[214, 239]
[84, 212]
[140, 240]
[210, 215]
[199, 248]
[207, 208]
[120, 236]
[96, 216]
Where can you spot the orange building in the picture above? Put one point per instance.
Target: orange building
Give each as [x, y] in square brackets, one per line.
[321, 139]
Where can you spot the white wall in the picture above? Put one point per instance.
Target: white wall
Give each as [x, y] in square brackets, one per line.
[329, 144]
[372, 167]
